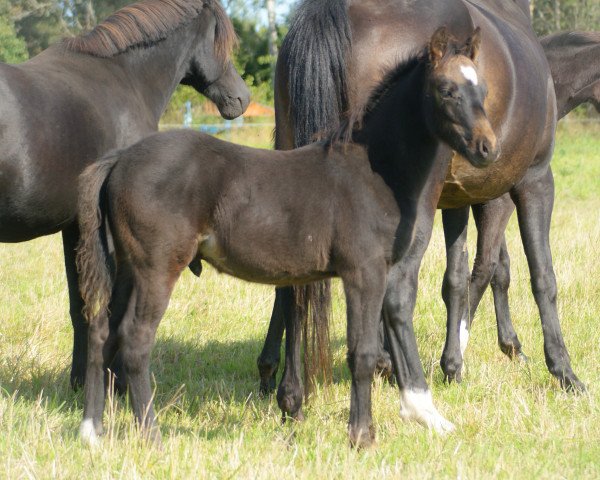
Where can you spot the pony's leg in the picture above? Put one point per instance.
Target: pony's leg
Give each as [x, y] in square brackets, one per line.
[455, 289]
[136, 339]
[268, 360]
[364, 291]
[399, 304]
[102, 348]
[290, 391]
[70, 238]
[534, 198]
[492, 266]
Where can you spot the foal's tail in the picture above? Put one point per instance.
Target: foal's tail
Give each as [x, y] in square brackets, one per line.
[95, 281]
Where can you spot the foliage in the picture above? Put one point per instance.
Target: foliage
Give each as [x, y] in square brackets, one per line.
[12, 48]
[551, 16]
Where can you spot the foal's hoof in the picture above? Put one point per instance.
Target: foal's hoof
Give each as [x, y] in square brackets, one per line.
[521, 357]
[88, 434]
[361, 437]
[572, 384]
[452, 369]
[268, 374]
[384, 368]
[77, 382]
[295, 417]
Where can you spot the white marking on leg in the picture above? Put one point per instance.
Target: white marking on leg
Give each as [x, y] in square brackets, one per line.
[417, 405]
[87, 432]
[463, 337]
[469, 73]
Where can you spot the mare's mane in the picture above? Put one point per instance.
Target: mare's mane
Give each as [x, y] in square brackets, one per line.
[146, 23]
[575, 39]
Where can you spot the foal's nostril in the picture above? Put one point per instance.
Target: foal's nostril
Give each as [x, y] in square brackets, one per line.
[483, 148]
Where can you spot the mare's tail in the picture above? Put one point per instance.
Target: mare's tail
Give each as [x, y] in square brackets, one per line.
[95, 280]
[315, 50]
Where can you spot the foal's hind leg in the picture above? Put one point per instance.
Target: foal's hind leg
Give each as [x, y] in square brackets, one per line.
[455, 289]
[492, 267]
[102, 349]
[268, 360]
[290, 391]
[534, 198]
[364, 291]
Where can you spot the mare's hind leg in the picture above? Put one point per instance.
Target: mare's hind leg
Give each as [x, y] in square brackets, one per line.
[455, 288]
[268, 360]
[290, 391]
[492, 266]
[534, 198]
[102, 348]
[364, 291]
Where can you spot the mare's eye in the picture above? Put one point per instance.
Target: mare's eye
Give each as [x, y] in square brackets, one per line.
[446, 93]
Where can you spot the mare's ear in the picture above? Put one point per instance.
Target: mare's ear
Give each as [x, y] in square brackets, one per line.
[438, 45]
[472, 44]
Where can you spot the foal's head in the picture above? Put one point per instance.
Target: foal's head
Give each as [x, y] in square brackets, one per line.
[455, 98]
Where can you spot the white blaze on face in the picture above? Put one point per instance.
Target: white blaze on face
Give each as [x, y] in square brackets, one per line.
[417, 405]
[463, 337]
[469, 73]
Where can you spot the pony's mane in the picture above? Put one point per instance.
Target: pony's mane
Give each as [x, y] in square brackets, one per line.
[356, 117]
[314, 52]
[575, 39]
[147, 22]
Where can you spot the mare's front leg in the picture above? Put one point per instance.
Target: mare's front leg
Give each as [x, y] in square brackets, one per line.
[268, 360]
[290, 391]
[455, 289]
[70, 237]
[534, 198]
[364, 289]
[416, 403]
[492, 267]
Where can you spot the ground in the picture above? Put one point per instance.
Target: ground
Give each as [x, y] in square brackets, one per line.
[512, 419]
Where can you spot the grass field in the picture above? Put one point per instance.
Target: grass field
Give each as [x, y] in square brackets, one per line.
[512, 419]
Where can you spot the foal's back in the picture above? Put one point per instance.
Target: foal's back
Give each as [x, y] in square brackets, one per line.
[276, 217]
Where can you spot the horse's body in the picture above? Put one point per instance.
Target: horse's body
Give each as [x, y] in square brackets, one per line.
[178, 198]
[521, 106]
[573, 59]
[78, 99]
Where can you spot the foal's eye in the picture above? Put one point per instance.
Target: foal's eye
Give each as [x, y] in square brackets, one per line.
[446, 93]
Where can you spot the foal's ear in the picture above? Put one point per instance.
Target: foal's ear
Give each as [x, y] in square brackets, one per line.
[438, 45]
[472, 44]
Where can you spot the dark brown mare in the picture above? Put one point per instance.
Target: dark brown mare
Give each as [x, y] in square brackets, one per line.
[80, 98]
[177, 198]
[573, 59]
[330, 46]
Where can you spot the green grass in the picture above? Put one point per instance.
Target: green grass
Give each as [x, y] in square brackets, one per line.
[512, 419]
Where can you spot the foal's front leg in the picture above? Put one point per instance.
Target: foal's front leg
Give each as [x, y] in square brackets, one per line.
[398, 306]
[268, 360]
[364, 289]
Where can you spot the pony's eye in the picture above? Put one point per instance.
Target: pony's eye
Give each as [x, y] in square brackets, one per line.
[446, 93]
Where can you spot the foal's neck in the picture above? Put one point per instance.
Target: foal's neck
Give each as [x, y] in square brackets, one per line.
[398, 136]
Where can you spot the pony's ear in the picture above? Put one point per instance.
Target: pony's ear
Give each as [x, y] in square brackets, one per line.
[472, 44]
[438, 45]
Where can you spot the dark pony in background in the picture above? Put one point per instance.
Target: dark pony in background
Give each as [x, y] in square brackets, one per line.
[332, 45]
[66, 107]
[279, 217]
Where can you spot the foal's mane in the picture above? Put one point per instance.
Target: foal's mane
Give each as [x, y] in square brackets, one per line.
[355, 118]
[146, 23]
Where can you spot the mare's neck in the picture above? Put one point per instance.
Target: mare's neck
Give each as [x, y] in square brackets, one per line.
[576, 74]
[398, 138]
[156, 71]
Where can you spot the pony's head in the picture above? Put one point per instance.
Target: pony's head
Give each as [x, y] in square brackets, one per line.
[455, 98]
[210, 70]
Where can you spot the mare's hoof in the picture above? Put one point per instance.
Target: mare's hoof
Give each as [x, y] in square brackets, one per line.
[572, 384]
[418, 406]
[267, 386]
[268, 373]
[77, 381]
[384, 368]
[521, 357]
[452, 369]
[361, 437]
[88, 433]
[295, 417]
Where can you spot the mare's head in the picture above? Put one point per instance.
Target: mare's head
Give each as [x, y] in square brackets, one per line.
[192, 38]
[455, 94]
[210, 70]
